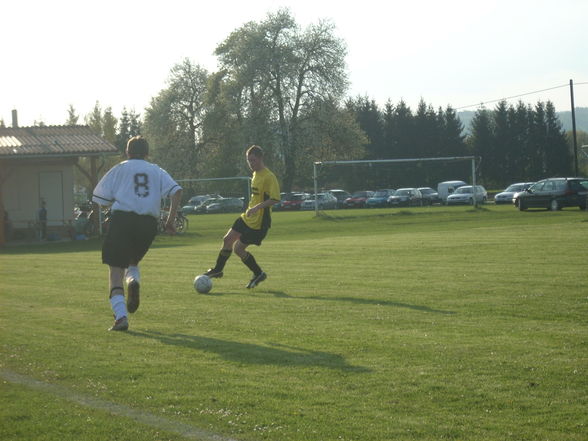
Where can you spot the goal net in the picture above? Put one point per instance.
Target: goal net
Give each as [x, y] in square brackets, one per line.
[406, 173]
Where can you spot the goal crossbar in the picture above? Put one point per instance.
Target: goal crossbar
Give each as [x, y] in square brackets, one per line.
[382, 161]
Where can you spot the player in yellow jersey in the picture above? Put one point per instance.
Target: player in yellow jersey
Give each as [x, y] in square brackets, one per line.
[252, 226]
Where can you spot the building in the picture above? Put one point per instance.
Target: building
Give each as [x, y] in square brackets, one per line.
[37, 164]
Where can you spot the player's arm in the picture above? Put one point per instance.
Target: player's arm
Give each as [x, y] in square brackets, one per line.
[173, 210]
[267, 203]
[103, 194]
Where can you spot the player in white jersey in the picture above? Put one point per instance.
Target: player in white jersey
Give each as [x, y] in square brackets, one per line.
[134, 188]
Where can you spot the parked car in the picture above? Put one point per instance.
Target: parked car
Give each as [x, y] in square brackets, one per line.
[341, 195]
[293, 201]
[358, 199]
[326, 201]
[506, 196]
[446, 188]
[406, 197]
[195, 201]
[278, 206]
[225, 205]
[380, 198]
[465, 195]
[430, 196]
[554, 194]
[203, 207]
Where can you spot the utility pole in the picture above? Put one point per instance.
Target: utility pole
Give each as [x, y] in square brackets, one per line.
[574, 129]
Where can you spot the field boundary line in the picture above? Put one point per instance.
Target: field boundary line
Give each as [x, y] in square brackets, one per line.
[147, 418]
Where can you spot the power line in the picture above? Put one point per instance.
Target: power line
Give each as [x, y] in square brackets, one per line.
[518, 96]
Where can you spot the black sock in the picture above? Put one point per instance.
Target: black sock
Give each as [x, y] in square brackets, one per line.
[249, 260]
[222, 258]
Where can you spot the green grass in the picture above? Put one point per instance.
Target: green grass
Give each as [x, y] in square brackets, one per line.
[421, 324]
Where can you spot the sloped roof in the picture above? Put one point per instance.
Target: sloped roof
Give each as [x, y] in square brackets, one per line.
[53, 142]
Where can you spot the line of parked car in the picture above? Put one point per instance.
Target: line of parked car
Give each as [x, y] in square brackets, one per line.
[336, 198]
[213, 203]
[551, 193]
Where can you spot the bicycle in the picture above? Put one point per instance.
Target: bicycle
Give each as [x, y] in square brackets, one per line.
[181, 224]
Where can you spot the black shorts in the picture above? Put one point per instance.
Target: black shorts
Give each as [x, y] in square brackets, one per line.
[128, 239]
[249, 236]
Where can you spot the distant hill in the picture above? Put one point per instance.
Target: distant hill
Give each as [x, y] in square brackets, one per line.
[565, 117]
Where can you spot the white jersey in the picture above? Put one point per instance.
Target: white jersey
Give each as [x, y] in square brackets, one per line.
[135, 185]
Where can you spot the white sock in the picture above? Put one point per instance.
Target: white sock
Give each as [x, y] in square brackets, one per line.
[119, 307]
[132, 273]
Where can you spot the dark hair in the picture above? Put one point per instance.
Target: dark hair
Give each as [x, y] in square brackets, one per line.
[255, 150]
[137, 147]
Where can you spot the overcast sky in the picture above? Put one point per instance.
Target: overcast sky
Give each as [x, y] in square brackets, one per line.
[456, 52]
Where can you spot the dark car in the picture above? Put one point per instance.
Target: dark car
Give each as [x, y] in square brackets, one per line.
[341, 195]
[406, 197]
[380, 198]
[554, 194]
[225, 205]
[203, 207]
[196, 201]
[430, 196]
[358, 199]
[293, 201]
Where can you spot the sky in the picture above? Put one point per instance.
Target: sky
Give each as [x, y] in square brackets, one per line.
[460, 53]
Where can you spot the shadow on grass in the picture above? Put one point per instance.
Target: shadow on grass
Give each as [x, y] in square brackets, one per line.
[273, 354]
[76, 246]
[361, 301]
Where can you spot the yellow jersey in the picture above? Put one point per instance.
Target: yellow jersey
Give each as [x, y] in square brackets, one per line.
[264, 186]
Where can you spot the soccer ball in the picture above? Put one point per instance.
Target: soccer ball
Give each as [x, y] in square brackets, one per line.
[202, 284]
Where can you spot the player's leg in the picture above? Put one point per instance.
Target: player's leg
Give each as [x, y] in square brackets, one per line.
[229, 240]
[115, 254]
[250, 262]
[132, 278]
[144, 231]
[117, 299]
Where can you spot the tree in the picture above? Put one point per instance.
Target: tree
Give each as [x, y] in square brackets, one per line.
[557, 155]
[482, 142]
[278, 72]
[72, 117]
[174, 119]
[109, 123]
[94, 119]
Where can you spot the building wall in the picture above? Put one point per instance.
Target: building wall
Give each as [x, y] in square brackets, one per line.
[28, 182]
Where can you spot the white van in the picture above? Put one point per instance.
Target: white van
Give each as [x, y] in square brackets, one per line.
[448, 187]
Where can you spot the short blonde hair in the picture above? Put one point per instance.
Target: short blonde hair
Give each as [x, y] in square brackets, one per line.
[255, 150]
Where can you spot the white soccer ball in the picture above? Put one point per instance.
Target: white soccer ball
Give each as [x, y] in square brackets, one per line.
[202, 284]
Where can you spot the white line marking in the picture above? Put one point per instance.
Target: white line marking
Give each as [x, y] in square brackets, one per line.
[146, 418]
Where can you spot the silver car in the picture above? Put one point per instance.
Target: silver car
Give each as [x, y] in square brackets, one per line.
[465, 195]
[325, 201]
[506, 196]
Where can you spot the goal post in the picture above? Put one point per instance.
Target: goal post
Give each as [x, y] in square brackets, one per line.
[383, 161]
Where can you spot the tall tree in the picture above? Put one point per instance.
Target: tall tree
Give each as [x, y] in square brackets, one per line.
[94, 119]
[557, 154]
[482, 142]
[72, 117]
[109, 123]
[173, 121]
[279, 72]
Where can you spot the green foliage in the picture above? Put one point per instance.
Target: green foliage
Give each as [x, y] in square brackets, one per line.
[72, 117]
[173, 121]
[520, 144]
[430, 323]
[277, 74]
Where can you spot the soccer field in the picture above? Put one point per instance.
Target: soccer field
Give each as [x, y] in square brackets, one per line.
[418, 324]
